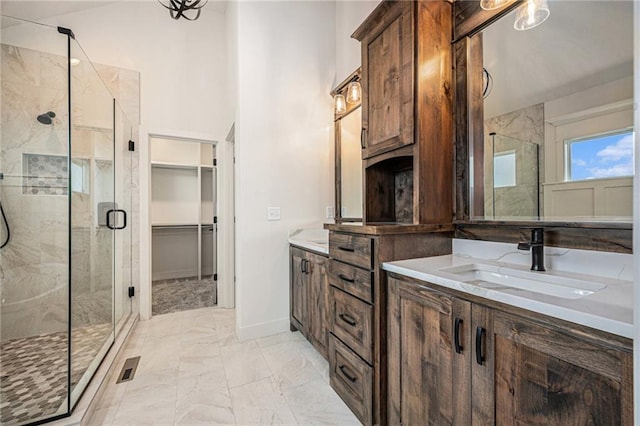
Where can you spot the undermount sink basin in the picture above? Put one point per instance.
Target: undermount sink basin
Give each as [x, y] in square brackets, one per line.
[501, 278]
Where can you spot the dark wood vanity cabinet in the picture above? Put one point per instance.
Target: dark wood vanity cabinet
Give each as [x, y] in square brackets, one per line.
[357, 307]
[457, 361]
[309, 296]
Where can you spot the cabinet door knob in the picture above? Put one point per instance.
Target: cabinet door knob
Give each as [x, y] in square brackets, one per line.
[479, 334]
[347, 318]
[456, 335]
[344, 371]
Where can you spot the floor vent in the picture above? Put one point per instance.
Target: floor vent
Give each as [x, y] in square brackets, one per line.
[128, 369]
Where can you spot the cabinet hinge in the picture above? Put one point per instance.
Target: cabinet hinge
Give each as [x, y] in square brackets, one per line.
[215, 161]
[132, 146]
[215, 277]
[132, 291]
[215, 219]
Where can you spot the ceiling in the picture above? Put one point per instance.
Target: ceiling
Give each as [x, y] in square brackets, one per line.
[583, 44]
[43, 9]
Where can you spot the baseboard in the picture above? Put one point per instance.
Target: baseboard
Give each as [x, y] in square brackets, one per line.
[263, 329]
[171, 275]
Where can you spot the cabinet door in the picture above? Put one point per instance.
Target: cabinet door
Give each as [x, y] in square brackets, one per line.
[428, 373]
[318, 303]
[387, 79]
[550, 376]
[299, 289]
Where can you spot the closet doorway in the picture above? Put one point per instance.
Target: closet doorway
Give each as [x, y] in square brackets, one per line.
[183, 225]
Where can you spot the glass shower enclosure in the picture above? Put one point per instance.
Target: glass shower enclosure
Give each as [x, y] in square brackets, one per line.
[66, 241]
[512, 183]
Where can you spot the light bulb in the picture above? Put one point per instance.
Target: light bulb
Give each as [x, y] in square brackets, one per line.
[531, 14]
[492, 4]
[340, 104]
[354, 92]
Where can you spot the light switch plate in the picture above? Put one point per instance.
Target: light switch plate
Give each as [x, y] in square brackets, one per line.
[329, 213]
[273, 213]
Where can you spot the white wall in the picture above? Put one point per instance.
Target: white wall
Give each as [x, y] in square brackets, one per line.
[183, 71]
[349, 15]
[286, 66]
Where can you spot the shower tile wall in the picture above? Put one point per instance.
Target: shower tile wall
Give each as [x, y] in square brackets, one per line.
[34, 265]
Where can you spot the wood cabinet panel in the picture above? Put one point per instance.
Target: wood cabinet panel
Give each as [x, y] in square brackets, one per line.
[351, 249]
[351, 279]
[318, 303]
[387, 64]
[299, 289]
[543, 376]
[352, 379]
[352, 321]
[428, 358]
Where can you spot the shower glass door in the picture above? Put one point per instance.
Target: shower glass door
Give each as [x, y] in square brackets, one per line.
[34, 253]
[124, 187]
[94, 217]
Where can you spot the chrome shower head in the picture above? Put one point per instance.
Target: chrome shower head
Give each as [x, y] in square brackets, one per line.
[46, 118]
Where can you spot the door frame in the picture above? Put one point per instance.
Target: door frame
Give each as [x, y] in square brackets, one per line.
[225, 256]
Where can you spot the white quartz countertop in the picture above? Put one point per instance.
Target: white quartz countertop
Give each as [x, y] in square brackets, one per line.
[609, 309]
[315, 239]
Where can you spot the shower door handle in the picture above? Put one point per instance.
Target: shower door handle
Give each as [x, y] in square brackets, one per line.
[124, 214]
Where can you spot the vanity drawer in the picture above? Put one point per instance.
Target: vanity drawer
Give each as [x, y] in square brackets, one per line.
[352, 379]
[351, 279]
[351, 321]
[351, 249]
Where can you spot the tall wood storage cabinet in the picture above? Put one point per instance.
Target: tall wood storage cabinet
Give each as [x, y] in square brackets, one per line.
[407, 112]
[357, 306]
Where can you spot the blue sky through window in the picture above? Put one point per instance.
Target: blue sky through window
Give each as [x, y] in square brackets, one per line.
[601, 156]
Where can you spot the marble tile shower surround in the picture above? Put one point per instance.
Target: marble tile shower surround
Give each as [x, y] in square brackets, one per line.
[34, 266]
[526, 124]
[602, 264]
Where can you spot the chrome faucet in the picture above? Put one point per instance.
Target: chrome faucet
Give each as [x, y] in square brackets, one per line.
[536, 245]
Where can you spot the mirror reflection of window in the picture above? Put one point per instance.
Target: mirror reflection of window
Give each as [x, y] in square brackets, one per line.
[601, 156]
[567, 87]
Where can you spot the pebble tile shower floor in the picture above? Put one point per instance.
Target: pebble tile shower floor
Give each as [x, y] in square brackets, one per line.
[33, 371]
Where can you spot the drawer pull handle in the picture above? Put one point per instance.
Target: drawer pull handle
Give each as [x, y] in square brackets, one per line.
[346, 318]
[456, 335]
[349, 249]
[347, 279]
[479, 355]
[345, 373]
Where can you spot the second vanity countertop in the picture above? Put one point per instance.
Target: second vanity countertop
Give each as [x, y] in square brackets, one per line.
[609, 309]
[315, 239]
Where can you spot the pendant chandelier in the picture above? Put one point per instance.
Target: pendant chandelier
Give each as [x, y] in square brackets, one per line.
[184, 8]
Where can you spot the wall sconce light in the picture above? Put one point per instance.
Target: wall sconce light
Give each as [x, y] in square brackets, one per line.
[531, 14]
[340, 103]
[492, 4]
[354, 92]
[177, 8]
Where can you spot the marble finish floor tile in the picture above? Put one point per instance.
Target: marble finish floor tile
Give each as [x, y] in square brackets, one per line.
[199, 374]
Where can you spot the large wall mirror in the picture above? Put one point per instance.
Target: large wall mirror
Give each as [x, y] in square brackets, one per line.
[348, 149]
[551, 136]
